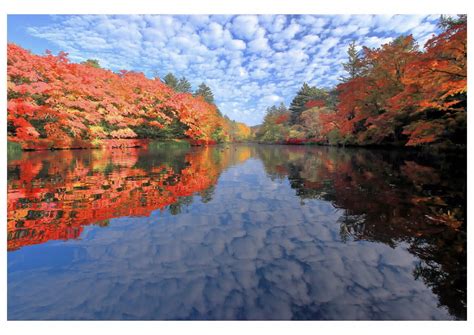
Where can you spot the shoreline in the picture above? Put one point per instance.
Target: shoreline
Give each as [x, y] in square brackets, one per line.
[52, 145]
[425, 148]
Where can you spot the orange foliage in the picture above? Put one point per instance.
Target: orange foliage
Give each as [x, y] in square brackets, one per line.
[405, 96]
[51, 98]
[283, 118]
[315, 103]
[90, 187]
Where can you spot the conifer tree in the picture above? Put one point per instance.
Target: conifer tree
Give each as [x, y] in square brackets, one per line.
[171, 81]
[304, 95]
[354, 66]
[205, 91]
[183, 85]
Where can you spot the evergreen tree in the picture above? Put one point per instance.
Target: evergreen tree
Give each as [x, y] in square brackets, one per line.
[93, 63]
[446, 22]
[171, 81]
[277, 110]
[354, 66]
[332, 99]
[183, 85]
[205, 92]
[304, 95]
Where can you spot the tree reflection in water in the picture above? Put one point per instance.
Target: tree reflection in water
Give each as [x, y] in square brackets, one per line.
[52, 195]
[390, 197]
[240, 238]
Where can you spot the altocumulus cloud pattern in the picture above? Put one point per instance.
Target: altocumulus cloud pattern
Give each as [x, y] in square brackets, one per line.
[265, 58]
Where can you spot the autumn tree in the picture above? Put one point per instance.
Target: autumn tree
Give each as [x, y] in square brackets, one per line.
[305, 94]
[275, 127]
[436, 88]
[363, 113]
[395, 94]
[314, 122]
[53, 103]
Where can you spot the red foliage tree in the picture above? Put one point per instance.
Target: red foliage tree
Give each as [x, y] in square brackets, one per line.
[57, 102]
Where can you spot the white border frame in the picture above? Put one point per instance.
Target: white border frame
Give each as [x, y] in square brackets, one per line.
[230, 7]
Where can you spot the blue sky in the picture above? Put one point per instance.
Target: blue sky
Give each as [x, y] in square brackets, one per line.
[249, 61]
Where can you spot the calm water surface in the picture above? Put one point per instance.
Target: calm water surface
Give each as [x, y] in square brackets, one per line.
[236, 232]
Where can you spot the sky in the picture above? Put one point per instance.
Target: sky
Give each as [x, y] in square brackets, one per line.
[249, 61]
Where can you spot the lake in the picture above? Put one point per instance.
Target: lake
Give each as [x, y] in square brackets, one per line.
[261, 232]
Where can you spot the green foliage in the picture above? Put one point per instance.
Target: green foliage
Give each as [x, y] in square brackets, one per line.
[175, 129]
[39, 125]
[13, 151]
[218, 135]
[205, 92]
[275, 126]
[304, 95]
[334, 137]
[183, 85]
[107, 126]
[93, 63]
[297, 131]
[171, 81]
[354, 65]
[447, 22]
[274, 134]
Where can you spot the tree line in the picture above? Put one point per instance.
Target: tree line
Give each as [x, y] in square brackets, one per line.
[53, 103]
[397, 95]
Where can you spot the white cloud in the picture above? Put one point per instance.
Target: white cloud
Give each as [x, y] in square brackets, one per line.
[309, 39]
[278, 24]
[213, 35]
[245, 26]
[259, 44]
[290, 31]
[400, 23]
[328, 44]
[271, 99]
[236, 44]
[375, 42]
[249, 61]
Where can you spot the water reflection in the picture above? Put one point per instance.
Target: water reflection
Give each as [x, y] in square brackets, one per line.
[279, 232]
[53, 195]
[391, 197]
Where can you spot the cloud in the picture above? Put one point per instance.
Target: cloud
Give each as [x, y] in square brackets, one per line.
[328, 44]
[236, 44]
[246, 59]
[290, 31]
[259, 44]
[271, 99]
[213, 35]
[245, 26]
[374, 41]
[197, 265]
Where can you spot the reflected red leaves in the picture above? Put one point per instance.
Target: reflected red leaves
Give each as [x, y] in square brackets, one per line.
[53, 195]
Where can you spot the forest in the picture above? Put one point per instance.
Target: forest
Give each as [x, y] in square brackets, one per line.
[56, 104]
[394, 95]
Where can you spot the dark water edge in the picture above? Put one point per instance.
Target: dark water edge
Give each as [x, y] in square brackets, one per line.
[432, 149]
[237, 232]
